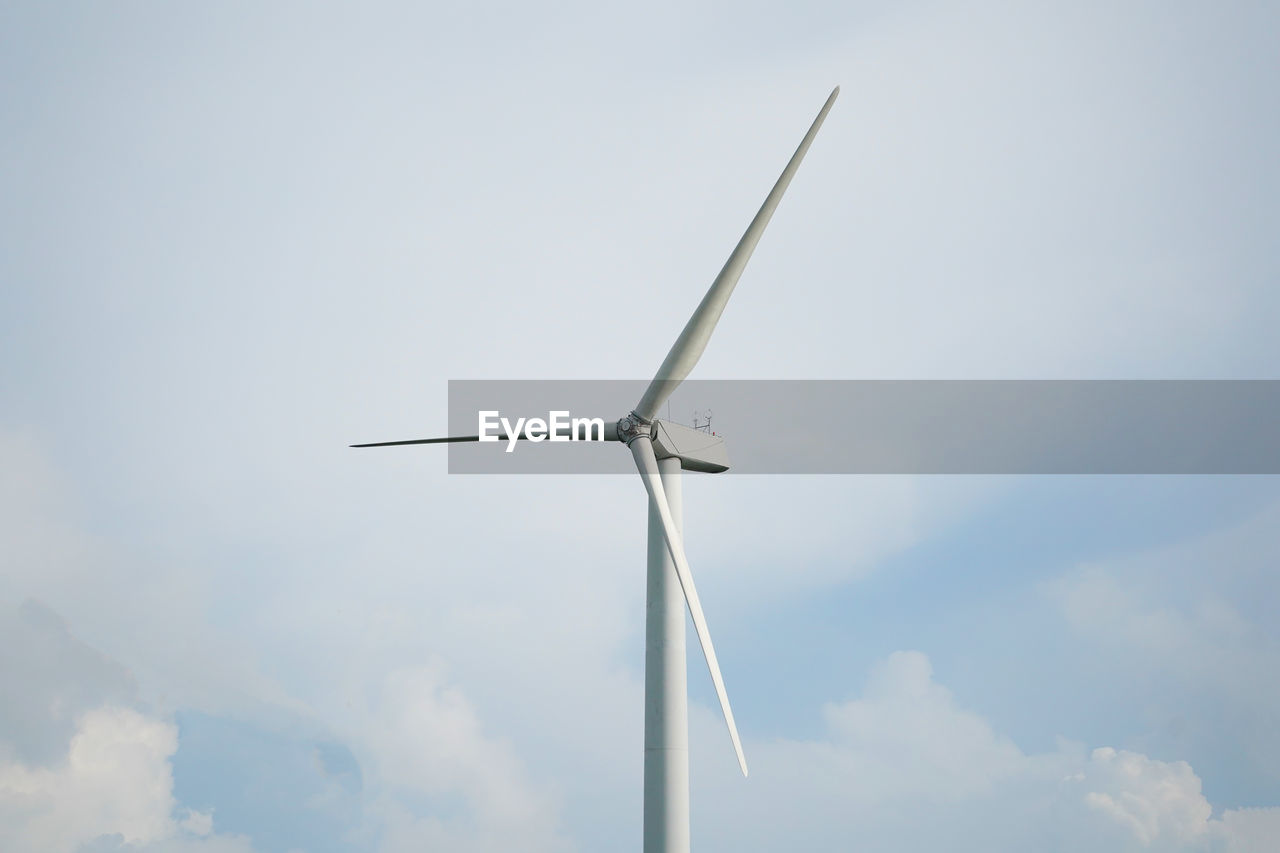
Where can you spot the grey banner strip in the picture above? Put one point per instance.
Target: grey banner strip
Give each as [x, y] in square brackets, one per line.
[902, 427]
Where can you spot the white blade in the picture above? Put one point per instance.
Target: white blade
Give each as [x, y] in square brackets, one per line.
[647, 463]
[688, 347]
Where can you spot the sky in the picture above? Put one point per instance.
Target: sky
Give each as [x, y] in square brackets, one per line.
[239, 237]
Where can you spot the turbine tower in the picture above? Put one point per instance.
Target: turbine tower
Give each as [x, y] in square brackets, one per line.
[661, 449]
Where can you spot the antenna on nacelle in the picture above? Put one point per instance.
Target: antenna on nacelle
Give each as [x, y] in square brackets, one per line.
[702, 421]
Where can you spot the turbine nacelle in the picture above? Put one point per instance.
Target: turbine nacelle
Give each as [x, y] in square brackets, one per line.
[696, 449]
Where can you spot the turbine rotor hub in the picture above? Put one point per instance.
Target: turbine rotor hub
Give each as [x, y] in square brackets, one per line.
[631, 427]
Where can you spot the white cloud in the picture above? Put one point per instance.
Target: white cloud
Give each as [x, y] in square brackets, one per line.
[120, 597]
[908, 727]
[114, 787]
[1191, 619]
[1155, 800]
[197, 823]
[1250, 830]
[904, 768]
[116, 780]
[427, 742]
[60, 678]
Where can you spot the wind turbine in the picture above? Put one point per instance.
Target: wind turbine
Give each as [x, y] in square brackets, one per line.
[661, 449]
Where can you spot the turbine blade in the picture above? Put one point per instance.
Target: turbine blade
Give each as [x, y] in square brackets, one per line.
[610, 433]
[647, 464]
[689, 346]
[448, 440]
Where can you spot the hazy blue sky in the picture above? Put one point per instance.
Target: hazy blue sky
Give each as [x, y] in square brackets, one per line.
[238, 237]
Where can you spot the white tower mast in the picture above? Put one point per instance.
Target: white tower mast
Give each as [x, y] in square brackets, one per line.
[666, 704]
